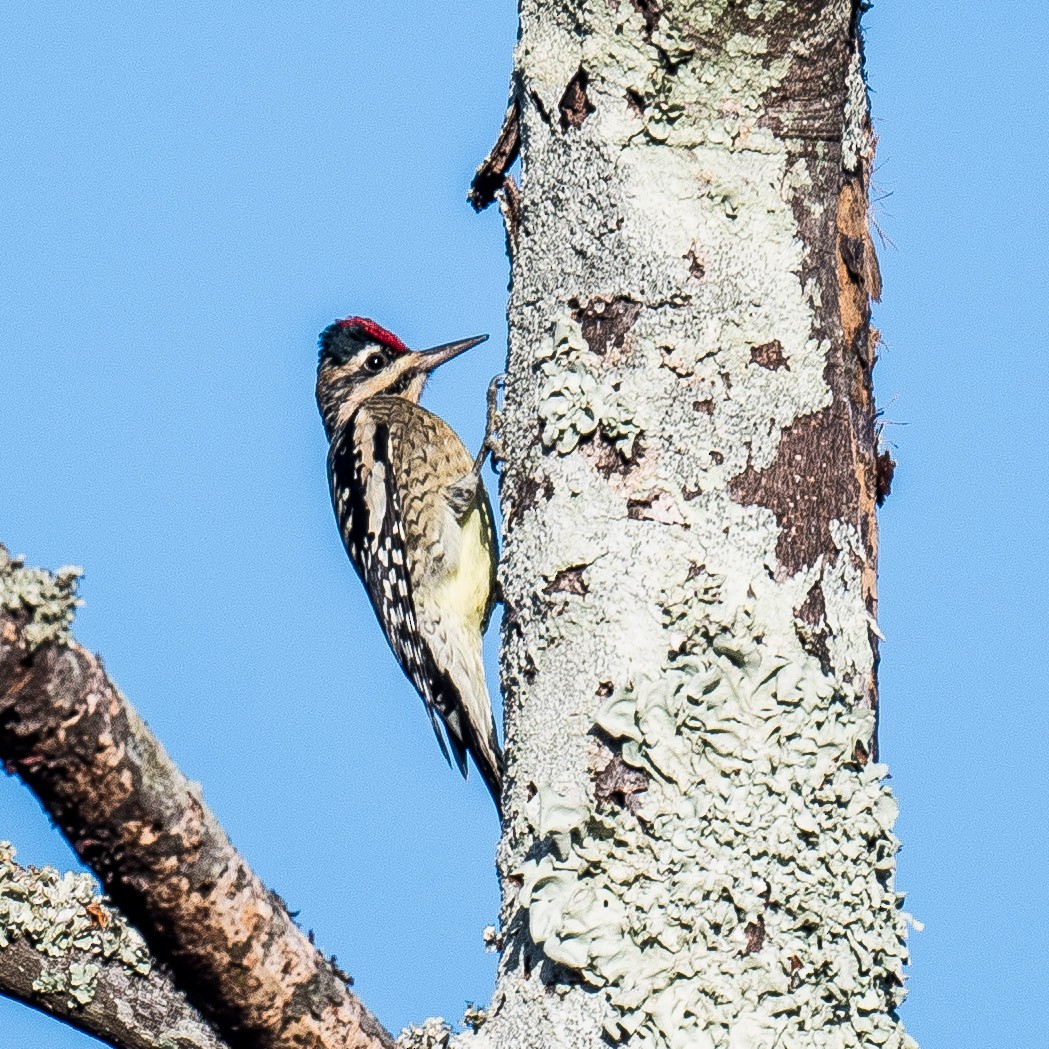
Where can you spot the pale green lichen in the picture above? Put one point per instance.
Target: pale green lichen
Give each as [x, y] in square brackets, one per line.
[575, 403]
[82, 981]
[50, 600]
[78, 982]
[50, 982]
[683, 94]
[750, 900]
[63, 917]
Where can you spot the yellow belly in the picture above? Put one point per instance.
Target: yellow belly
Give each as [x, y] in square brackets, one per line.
[465, 588]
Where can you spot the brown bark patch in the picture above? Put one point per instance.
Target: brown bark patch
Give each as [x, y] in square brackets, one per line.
[605, 323]
[568, 581]
[810, 483]
[655, 506]
[609, 461]
[808, 103]
[697, 268]
[755, 934]
[811, 627]
[575, 106]
[528, 495]
[619, 784]
[769, 355]
[814, 607]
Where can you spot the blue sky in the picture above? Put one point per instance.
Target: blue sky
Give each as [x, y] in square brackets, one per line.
[189, 192]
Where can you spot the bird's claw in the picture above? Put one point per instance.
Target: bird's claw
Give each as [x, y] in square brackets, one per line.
[492, 444]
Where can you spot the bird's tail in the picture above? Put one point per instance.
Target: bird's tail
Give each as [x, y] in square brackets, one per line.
[468, 732]
[454, 688]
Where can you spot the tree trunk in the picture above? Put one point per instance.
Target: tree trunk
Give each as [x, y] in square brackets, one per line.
[698, 844]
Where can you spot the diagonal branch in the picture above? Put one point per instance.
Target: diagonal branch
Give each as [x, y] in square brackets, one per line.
[159, 852]
[63, 951]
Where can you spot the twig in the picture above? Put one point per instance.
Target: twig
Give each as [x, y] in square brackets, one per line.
[510, 207]
[490, 176]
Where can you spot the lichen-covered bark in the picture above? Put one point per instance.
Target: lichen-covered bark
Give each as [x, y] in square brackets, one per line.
[63, 950]
[157, 849]
[698, 844]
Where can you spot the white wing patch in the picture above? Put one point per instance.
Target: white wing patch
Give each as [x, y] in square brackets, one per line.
[375, 501]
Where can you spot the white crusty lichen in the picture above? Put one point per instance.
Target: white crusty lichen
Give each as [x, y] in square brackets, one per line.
[432, 1033]
[436, 1033]
[62, 917]
[857, 142]
[579, 398]
[50, 600]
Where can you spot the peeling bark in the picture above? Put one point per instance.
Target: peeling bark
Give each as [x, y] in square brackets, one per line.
[492, 173]
[158, 851]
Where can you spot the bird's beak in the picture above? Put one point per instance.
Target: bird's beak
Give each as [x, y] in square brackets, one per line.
[427, 360]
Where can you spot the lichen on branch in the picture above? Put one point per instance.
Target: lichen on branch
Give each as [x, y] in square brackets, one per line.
[59, 913]
[144, 829]
[49, 601]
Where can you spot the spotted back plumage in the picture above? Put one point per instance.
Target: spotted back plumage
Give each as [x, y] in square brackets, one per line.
[390, 467]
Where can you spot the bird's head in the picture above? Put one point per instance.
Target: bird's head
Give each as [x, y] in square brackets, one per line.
[360, 359]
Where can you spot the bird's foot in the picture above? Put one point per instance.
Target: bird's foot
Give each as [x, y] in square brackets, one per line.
[492, 444]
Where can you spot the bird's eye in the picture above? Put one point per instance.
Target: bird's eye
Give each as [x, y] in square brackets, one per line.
[374, 362]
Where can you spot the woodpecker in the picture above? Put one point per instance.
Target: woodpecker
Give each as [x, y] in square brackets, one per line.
[417, 524]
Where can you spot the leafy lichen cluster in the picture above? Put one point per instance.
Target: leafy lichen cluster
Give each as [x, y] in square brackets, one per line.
[748, 898]
[63, 917]
[433, 1033]
[50, 600]
[579, 398]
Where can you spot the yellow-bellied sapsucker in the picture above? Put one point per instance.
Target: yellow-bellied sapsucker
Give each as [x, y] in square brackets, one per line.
[416, 522]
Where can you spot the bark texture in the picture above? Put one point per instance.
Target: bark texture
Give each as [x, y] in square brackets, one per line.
[698, 846]
[157, 849]
[64, 951]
